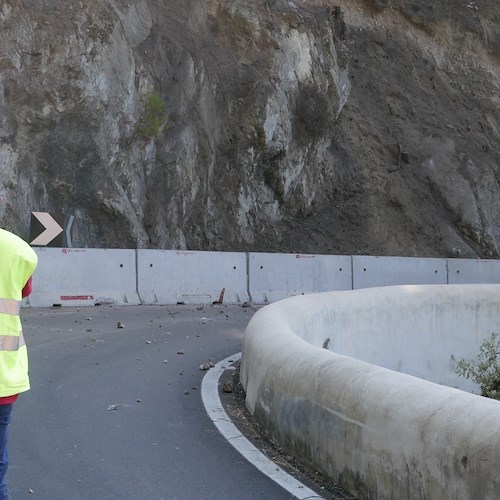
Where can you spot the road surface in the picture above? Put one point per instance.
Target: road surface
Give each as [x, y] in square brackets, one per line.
[115, 410]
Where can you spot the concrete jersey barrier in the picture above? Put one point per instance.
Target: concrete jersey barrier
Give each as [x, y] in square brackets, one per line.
[277, 276]
[378, 432]
[84, 276]
[179, 276]
[467, 271]
[371, 271]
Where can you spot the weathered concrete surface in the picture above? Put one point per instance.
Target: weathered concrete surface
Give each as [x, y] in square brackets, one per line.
[379, 433]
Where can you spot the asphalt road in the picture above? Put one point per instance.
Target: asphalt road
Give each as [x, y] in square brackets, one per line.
[116, 413]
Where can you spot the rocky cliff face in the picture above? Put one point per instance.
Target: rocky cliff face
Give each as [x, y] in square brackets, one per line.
[361, 126]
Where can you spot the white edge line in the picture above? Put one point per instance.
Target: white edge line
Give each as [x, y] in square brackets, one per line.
[216, 412]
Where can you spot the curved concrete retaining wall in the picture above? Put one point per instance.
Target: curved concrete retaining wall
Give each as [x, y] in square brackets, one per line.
[378, 432]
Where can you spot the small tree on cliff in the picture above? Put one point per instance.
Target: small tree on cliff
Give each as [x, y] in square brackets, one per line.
[154, 117]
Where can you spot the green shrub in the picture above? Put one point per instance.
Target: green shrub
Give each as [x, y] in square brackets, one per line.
[485, 370]
[154, 116]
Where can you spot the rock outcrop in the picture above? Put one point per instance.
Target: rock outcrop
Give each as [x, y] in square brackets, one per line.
[362, 126]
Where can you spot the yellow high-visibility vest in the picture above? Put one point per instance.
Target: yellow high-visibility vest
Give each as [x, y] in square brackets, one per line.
[17, 263]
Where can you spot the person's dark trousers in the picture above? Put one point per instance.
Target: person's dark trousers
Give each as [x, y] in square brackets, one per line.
[5, 413]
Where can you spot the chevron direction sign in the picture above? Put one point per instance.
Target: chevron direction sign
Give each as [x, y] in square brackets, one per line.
[45, 230]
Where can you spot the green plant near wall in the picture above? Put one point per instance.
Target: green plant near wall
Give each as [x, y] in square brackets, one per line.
[485, 370]
[154, 116]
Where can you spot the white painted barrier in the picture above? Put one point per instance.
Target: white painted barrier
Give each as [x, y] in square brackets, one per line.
[276, 276]
[467, 271]
[377, 432]
[171, 277]
[387, 271]
[84, 276]
[75, 276]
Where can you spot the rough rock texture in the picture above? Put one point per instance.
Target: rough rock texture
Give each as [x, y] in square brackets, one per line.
[361, 126]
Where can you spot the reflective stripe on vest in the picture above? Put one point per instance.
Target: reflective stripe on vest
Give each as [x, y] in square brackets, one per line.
[10, 306]
[11, 342]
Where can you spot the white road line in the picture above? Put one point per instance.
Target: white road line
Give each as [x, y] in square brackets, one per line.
[216, 412]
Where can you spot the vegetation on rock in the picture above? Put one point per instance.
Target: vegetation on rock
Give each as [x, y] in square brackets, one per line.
[154, 116]
[485, 370]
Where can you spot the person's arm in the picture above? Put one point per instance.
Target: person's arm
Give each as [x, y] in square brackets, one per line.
[28, 287]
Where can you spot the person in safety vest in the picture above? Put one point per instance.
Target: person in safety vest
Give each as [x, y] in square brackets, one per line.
[17, 263]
